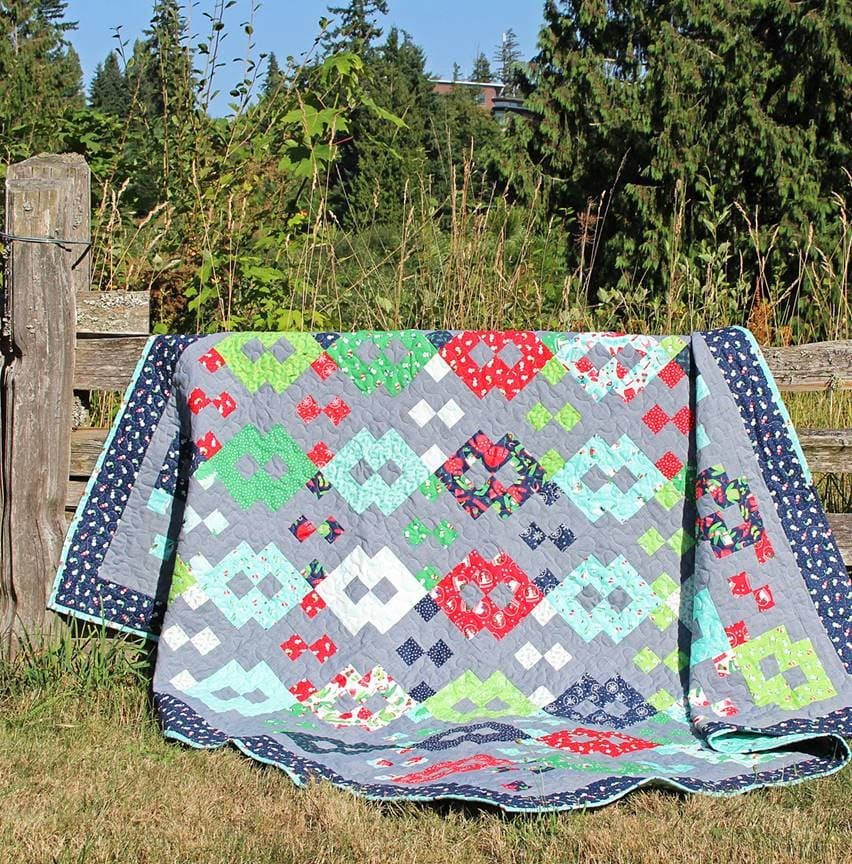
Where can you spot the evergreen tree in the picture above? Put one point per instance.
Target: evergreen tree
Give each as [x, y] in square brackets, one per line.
[382, 159]
[274, 76]
[356, 28]
[40, 74]
[507, 55]
[638, 101]
[171, 62]
[109, 92]
[481, 69]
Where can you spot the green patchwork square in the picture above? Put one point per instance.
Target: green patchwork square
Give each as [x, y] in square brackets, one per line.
[680, 541]
[567, 417]
[181, 579]
[646, 660]
[672, 345]
[553, 371]
[445, 534]
[538, 417]
[663, 617]
[651, 541]
[551, 462]
[662, 700]
[669, 496]
[428, 577]
[432, 487]
[676, 660]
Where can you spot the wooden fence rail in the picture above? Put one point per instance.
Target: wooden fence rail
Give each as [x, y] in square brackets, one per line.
[61, 337]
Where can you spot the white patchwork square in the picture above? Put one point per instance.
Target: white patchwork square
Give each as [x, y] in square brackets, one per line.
[421, 413]
[174, 637]
[450, 414]
[541, 697]
[183, 681]
[557, 656]
[216, 523]
[528, 655]
[191, 519]
[205, 641]
[433, 458]
[543, 612]
[194, 597]
[437, 367]
[383, 566]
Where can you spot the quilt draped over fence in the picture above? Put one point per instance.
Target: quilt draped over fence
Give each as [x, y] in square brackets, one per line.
[532, 569]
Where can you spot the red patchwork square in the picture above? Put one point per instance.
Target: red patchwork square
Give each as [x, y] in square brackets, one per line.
[669, 465]
[656, 419]
[671, 374]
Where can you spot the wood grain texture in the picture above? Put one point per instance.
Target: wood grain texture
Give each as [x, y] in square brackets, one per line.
[816, 366]
[104, 363]
[827, 450]
[841, 527]
[46, 196]
[113, 312]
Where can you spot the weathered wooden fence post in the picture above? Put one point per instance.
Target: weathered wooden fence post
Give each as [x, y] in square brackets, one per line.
[46, 197]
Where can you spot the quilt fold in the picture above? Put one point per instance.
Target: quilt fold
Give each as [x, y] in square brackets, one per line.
[532, 569]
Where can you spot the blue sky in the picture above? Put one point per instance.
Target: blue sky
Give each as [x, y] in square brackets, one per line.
[448, 30]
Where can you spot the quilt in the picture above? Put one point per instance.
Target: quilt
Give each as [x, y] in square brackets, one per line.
[532, 569]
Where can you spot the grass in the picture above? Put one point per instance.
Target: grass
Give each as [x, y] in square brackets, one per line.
[86, 777]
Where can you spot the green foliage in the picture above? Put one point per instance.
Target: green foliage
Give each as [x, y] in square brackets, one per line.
[40, 74]
[645, 112]
[680, 169]
[109, 92]
[481, 69]
[355, 28]
[507, 57]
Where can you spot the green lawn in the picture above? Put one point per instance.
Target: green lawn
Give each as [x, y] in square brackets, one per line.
[85, 776]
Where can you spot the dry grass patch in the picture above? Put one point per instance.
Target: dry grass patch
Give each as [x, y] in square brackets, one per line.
[85, 777]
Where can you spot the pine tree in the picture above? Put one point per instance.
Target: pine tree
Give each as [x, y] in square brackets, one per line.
[481, 70]
[109, 92]
[382, 159]
[40, 74]
[507, 55]
[638, 101]
[355, 27]
[274, 76]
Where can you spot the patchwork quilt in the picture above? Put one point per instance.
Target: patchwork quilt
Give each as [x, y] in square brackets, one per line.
[531, 569]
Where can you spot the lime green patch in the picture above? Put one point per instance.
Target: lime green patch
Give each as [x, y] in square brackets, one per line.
[567, 417]
[182, 579]
[672, 345]
[468, 687]
[646, 660]
[551, 462]
[681, 541]
[788, 655]
[538, 417]
[676, 660]
[662, 700]
[267, 368]
[651, 541]
[553, 371]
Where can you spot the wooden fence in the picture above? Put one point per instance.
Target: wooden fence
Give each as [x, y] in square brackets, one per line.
[61, 339]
